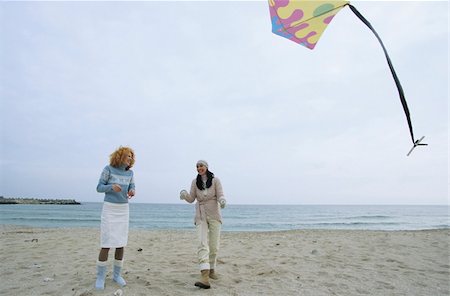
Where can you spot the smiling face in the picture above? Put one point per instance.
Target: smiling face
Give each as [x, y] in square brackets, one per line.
[201, 169]
[124, 156]
[127, 158]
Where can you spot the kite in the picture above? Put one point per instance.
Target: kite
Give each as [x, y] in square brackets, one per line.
[304, 22]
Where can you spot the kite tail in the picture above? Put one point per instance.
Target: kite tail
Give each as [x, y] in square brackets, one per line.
[397, 81]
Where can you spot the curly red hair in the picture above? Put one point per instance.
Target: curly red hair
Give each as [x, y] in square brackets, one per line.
[117, 158]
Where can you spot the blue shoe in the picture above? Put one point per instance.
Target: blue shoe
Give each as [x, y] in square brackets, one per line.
[101, 274]
[116, 273]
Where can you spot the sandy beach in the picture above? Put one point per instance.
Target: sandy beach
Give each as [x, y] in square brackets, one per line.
[37, 261]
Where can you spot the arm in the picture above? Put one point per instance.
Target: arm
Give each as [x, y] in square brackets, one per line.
[131, 187]
[219, 194]
[189, 197]
[219, 189]
[103, 182]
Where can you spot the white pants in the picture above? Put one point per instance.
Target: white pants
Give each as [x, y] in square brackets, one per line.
[209, 241]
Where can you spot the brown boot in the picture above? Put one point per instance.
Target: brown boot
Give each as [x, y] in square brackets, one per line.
[204, 281]
[213, 274]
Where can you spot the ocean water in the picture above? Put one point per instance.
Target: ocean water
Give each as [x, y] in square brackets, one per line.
[238, 217]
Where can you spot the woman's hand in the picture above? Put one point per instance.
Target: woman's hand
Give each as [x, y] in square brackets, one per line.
[116, 187]
[183, 194]
[222, 202]
[131, 193]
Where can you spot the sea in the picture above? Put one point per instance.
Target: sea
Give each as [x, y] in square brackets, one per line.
[238, 217]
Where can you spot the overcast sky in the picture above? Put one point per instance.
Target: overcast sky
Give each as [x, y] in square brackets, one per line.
[181, 81]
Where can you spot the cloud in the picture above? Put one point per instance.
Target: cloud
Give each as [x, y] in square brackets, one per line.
[180, 81]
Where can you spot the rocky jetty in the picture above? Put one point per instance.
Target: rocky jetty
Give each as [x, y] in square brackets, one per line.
[37, 201]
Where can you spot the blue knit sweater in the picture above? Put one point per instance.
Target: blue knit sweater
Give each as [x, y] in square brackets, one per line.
[112, 175]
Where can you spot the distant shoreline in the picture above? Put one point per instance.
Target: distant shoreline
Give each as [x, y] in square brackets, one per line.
[37, 201]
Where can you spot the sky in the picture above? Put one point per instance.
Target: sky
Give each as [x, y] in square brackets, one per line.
[182, 81]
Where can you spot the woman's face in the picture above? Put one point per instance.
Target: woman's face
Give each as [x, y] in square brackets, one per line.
[127, 158]
[201, 169]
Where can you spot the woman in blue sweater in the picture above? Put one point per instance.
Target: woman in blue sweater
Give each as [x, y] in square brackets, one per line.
[117, 182]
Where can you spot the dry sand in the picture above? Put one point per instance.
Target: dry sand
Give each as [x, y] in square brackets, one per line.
[36, 261]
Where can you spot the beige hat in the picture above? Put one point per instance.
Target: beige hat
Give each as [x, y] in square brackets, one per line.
[202, 162]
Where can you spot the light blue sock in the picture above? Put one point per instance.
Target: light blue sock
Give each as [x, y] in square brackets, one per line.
[116, 273]
[101, 274]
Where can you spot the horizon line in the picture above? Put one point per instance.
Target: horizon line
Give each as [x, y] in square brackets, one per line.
[291, 204]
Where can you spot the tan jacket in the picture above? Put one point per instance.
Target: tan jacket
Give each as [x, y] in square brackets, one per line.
[207, 201]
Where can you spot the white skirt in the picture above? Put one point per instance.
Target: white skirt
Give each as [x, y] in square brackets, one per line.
[114, 225]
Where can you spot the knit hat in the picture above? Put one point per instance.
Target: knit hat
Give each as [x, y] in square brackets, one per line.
[202, 162]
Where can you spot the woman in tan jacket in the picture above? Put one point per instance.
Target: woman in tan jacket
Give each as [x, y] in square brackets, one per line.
[208, 192]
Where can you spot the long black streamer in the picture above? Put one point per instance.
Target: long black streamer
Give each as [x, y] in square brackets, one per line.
[397, 81]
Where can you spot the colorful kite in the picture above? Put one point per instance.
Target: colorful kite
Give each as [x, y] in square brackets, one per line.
[304, 22]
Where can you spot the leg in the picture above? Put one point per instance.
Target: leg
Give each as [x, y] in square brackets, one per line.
[203, 247]
[214, 243]
[203, 255]
[119, 253]
[103, 256]
[101, 268]
[118, 264]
